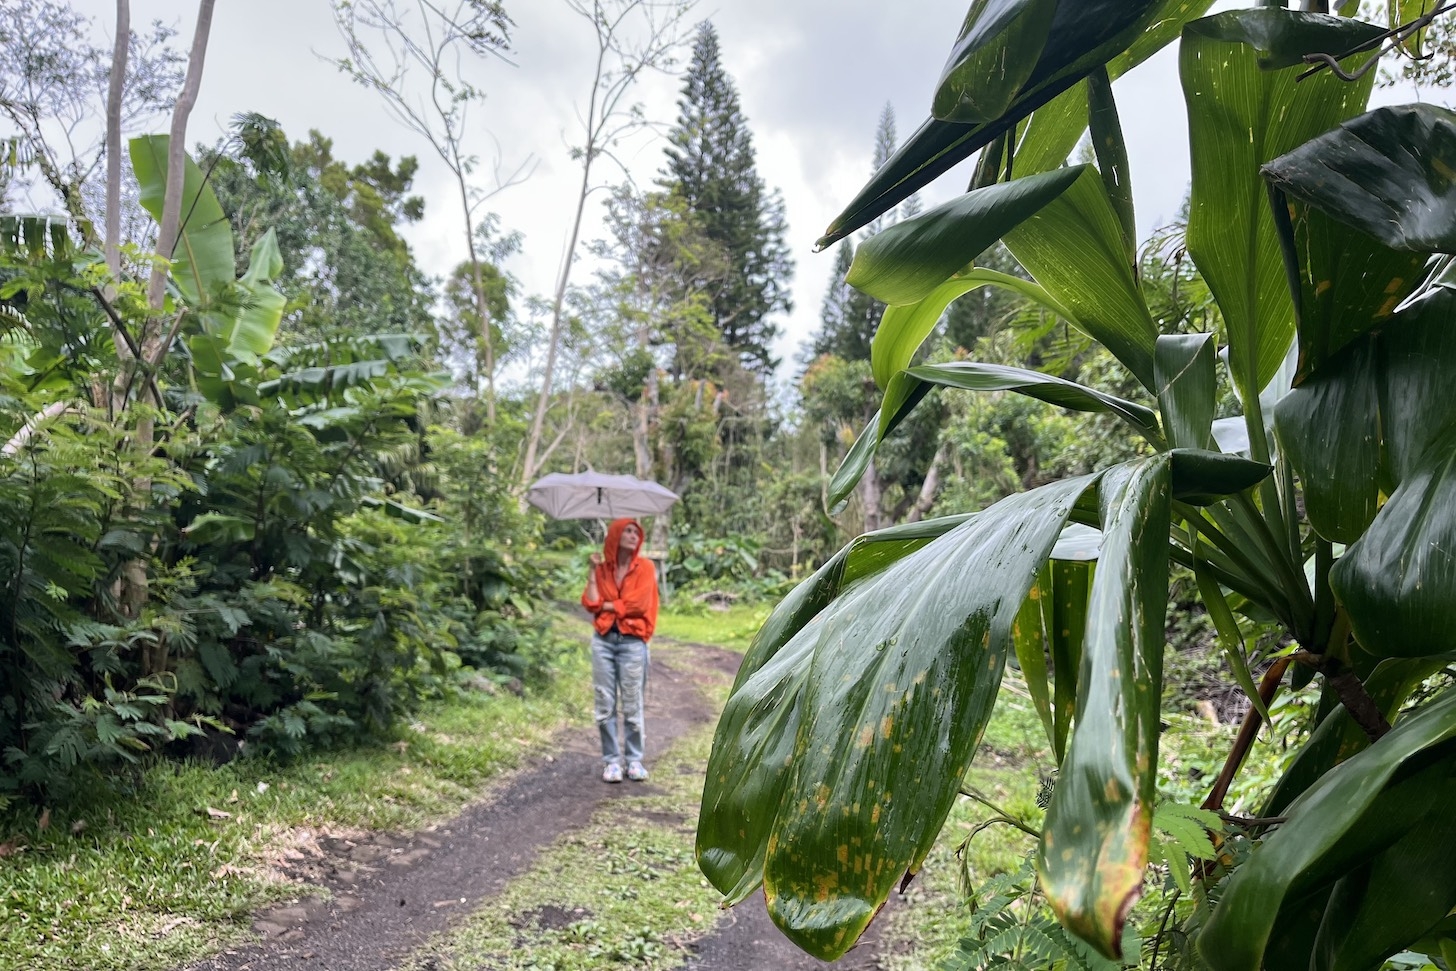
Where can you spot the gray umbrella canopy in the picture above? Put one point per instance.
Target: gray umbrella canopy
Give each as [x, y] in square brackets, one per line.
[596, 495]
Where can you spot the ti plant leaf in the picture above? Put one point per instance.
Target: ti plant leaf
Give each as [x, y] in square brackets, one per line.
[906, 262]
[867, 719]
[903, 328]
[1051, 626]
[909, 387]
[1111, 152]
[1385, 173]
[1074, 248]
[1341, 823]
[1397, 582]
[1083, 36]
[1186, 383]
[732, 837]
[992, 59]
[1242, 114]
[1095, 841]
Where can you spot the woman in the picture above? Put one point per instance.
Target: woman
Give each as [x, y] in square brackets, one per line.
[621, 593]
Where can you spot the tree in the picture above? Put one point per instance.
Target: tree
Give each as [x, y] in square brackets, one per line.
[711, 166]
[633, 39]
[432, 39]
[458, 340]
[347, 271]
[857, 711]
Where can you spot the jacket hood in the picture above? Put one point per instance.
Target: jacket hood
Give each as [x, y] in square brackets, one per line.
[614, 540]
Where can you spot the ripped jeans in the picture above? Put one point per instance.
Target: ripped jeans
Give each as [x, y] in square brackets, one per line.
[619, 670]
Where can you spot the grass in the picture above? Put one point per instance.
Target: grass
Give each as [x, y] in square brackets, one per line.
[636, 898]
[732, 628]
[173, 866]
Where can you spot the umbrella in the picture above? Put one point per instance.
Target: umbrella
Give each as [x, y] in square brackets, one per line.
[596, 495]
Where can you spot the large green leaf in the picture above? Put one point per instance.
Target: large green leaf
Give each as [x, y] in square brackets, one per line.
[1111, 151]
[906, 262]
[1361, 423]
[1050, 626]
[1074, 248]
[251, 333]
[1055, 128]
[899, 675]
[1404, 892]
[1241, 115]
[1093, 852]
[1385, 173]
[1202, 477]
[903, 328]
[1341, 822]
[1083, 36]
[202, 263]
[992, 59]
[908, 388]
[1417, 383]
[1344, 282]
[1329, 430]
[1398, 581]
[972, 376]
[755, 744]
[1186, 382]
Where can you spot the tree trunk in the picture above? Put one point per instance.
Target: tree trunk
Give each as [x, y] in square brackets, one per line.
[478, 284]
[119, 53]
[928, 489]
[134, 582]
[870, 495]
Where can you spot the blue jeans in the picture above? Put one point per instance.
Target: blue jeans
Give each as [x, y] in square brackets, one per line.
[619, 670]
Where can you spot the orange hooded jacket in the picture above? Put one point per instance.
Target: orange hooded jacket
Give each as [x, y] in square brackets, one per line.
[633, 606]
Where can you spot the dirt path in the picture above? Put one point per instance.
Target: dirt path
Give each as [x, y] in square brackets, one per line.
[392, 892]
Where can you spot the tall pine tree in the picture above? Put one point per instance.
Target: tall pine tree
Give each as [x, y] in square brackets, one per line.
[711, 167]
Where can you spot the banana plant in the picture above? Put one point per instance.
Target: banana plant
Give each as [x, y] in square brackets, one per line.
[1319, 228]
[228, 322]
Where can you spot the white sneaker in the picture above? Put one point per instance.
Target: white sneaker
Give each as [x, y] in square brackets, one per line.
[612, 773]
[636, 771]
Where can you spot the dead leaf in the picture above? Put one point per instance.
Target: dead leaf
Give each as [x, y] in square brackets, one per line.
[78, 827]
[9, 849]
[44, 823]
[233, 797]
[211, 813]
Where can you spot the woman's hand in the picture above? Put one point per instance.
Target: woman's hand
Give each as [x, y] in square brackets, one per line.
[597, 559]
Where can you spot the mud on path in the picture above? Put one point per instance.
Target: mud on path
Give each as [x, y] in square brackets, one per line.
[390, 893]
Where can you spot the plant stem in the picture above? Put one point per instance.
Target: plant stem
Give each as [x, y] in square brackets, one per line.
[1005, 816]
[1268, 687]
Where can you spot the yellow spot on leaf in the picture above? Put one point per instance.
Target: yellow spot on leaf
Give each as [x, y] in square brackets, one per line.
[866, 737]
[887, 725]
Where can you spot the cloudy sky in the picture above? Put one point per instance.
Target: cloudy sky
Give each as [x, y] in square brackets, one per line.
[813, 77]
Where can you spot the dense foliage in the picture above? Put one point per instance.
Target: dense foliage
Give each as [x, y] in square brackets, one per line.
[319, 551]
